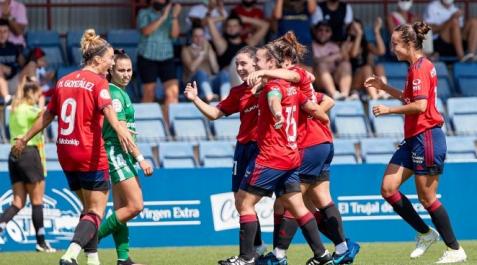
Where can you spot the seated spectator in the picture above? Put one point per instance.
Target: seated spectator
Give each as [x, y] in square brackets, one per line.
[200, 63]
[361, 55]
[211, 8]
[11, 59]
[400, 16]
[15, 13]
[331, 66]
[294, 15]
[451, 34]
[248, 8]
[228, 43]
[158, 25]
[37, 66]
[338, 13]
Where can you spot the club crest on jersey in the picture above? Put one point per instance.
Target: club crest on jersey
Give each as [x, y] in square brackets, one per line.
[104, 94]
[291, 91]
[117, 106]
[433, 72]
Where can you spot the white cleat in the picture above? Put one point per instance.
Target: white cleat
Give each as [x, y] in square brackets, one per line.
[453, 256]
[46, 248]
[424, 241]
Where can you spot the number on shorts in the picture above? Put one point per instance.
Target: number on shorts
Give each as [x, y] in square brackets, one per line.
[291, 129]
[68, 119]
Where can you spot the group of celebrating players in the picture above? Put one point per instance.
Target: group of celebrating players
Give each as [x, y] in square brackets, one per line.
[284, 147]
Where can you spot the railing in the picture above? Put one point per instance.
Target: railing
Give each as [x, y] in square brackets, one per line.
[134, 5]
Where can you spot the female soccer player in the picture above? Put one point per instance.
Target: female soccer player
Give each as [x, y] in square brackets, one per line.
[315, 142]
[275, 168]
[423, 150]
[127, 194]
[80, 100]
[240, 99]
[27, 173]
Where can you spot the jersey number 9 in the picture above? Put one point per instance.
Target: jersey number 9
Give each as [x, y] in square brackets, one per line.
[68, 118]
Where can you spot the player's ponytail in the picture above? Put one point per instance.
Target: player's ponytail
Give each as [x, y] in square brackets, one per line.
[26, 91]
[414, 34]
[291, 47]
[92, 45]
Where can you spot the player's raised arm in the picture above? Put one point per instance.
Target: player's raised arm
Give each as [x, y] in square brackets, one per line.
[211, 112]
[378, 83]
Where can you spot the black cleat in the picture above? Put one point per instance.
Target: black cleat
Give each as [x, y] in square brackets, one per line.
[237, 261]
[326, 259]
[68, 262]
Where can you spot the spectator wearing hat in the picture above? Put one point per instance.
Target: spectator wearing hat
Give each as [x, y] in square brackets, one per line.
[331, 66]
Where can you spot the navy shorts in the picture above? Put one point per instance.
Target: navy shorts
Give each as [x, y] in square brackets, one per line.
[264, 181]
[244, 153]
[93, 180]
[315, 163]
[424, 153]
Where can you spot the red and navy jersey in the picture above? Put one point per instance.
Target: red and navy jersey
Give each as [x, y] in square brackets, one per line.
[241, 99]
[78, 101]
[312, 131]
[278, 148]
[421, 83]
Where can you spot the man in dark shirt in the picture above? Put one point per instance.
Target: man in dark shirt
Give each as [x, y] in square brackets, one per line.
[338, 14]
[10, 59]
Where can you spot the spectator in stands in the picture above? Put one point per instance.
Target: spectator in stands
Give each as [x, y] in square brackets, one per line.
[447, 23]
[200, 63]
[229, 43]
[36, 66]
[207, 8]
[361, 55]
[332, 67]
[248, 8]
[400, 16]
[295, 15]
[11, 59]
[158, 25]
[338, 13]
[15, 13]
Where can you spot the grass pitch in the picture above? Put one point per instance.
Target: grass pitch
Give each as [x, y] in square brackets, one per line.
[370, 254]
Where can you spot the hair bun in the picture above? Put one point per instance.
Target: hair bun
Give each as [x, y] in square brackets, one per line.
[89, 37]
[421, 29]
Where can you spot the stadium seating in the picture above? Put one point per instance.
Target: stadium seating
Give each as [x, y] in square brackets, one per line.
[150, 124]
[73, 39]
[146, 151]
[216, 153]
[4, 152]
[49, 42]
[65, 70]
[348, 119]
[444, 88]
[461, 149]
[466, 76]
[377, 150]
[344, 151]
[176, 155]
[188, 123]
[396, 74]
[463, 114]
[442, 110]
[226, 128]
[388, 125]
[126, 39]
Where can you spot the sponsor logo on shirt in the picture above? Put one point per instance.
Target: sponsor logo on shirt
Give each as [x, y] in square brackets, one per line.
[251, 108]
[117, 106]
[291, 91]
[416, 84]
[68, 141]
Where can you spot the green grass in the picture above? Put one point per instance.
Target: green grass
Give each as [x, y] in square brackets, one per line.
[371, 254]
